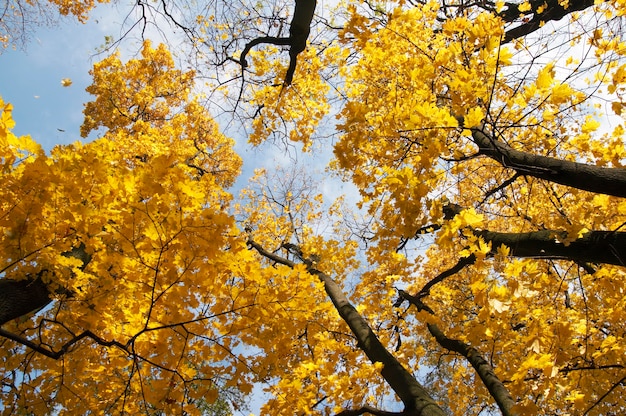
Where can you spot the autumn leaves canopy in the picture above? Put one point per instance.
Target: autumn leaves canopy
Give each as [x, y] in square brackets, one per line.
[482, 266]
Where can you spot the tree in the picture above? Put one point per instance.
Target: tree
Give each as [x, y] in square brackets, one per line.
[113, 232]
[482, 269]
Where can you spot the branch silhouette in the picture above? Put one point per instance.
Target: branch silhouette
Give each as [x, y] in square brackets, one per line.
[299, 30]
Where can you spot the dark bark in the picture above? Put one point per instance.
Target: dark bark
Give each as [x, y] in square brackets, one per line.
[20, 297]
[484, 370]
[553, 11]
[609, 181]
[414, 396]
[607, 247]
[272, 40]
[416, 399]
[460, 265]
[55, 355]
[299, 30]
[370, 411]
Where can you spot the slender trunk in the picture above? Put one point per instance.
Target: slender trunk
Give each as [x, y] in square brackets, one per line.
[416, 399]
[484, 370]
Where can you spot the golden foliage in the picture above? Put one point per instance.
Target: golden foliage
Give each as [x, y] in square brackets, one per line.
[139, 319]
[177, 305]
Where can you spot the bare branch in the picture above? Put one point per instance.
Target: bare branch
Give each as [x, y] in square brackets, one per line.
[65, 348]
[621, 382]
[460, 265]
[299, 30]
[272, 40]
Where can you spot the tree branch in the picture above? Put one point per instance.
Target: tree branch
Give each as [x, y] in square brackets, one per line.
[484, 370]
[553, 11]
[299, 30]
[607, 247]
[58, 354]
[622, 382]
[20, 297]
[369, 409]
[274, 257]
[609, 181]
[272, 40]
[460, 265]
[500, 187]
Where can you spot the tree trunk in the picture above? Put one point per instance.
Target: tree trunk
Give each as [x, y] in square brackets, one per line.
[416, 399]
[553, 10]
[20, 297]
[484, 370]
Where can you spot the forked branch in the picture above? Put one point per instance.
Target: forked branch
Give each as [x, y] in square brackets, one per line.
[416, 399]
[485, 371]
[55, 355]
[299, 30]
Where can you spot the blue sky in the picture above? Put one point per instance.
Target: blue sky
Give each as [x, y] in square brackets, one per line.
[30, 79]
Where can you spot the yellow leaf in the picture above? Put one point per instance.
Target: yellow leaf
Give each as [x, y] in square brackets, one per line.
[499, 306]
[545, 76]
[503, 250]
[590, 125]
[473, 118]
[469, 217]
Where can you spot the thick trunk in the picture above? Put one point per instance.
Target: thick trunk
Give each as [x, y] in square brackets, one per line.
[299, 30]
[416, 399]
[606, 247]
[552, 11]
[21, 297]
